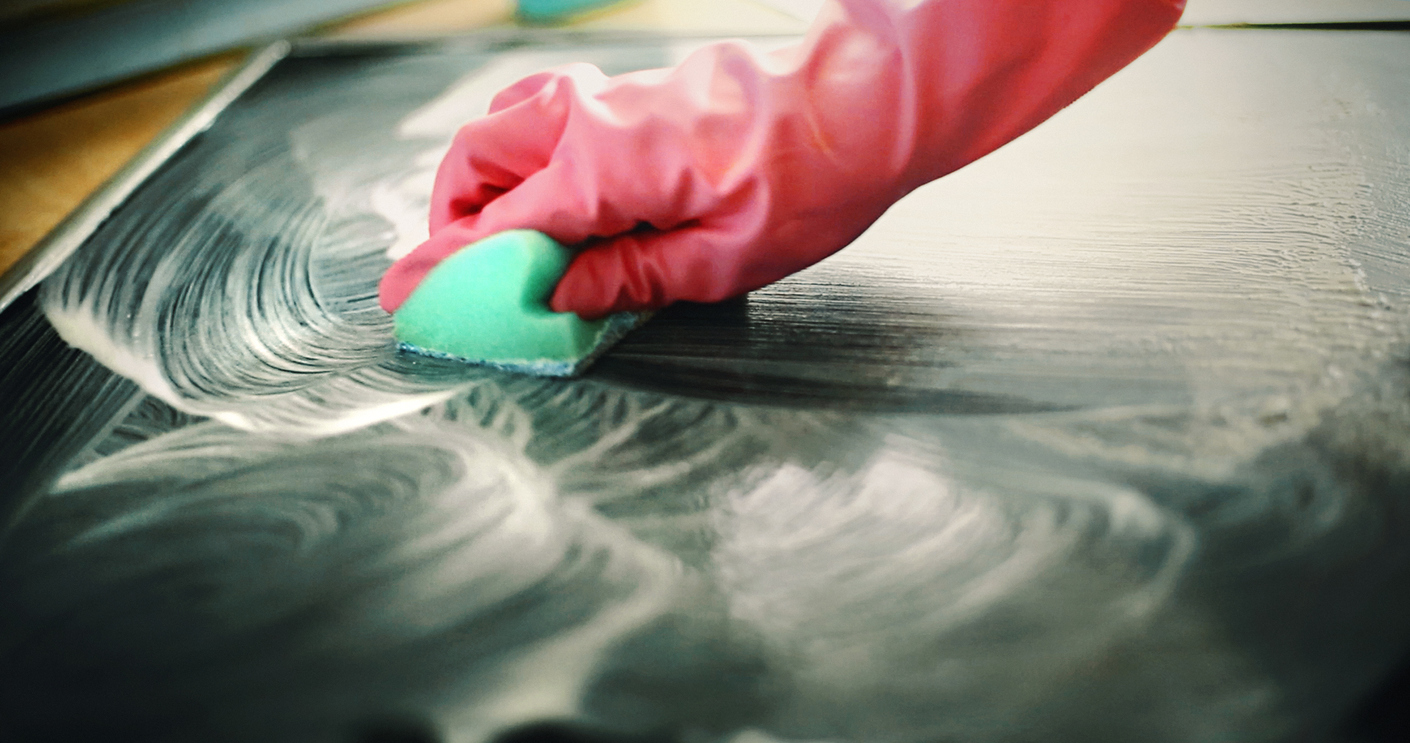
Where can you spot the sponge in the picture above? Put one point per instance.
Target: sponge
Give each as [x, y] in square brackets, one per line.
[487, 304]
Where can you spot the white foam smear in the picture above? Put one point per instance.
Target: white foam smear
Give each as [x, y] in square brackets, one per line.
[846, 576]
[432, 550]
[849, 575]
[880, 579]
[254, 300]
[858, 579]
[358, 532]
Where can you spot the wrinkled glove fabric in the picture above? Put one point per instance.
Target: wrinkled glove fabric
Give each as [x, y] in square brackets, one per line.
[739, 167]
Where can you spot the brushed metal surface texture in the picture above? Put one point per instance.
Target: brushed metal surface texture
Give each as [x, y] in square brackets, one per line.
[1103, 438]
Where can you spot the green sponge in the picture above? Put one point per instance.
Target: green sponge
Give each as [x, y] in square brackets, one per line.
[487, 304]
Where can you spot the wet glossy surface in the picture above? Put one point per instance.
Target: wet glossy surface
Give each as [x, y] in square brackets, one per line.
[1103, 438]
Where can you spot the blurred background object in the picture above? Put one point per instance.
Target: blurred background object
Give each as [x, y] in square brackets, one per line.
[54, 49]
[549, 11]
[62, 48]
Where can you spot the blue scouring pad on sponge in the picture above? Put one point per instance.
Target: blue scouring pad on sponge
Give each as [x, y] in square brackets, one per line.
[487, 304]
[548, 11]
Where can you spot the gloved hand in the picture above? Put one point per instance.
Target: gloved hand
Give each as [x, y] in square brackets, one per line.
[737, 168]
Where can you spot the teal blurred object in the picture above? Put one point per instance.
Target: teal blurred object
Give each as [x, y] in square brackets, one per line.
[51, 50]
[547, 11]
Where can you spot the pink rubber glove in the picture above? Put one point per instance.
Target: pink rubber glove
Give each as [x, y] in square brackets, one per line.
[737, 168]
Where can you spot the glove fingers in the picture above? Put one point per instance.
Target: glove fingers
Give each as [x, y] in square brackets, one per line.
[649, 269]
[548, 201]
[494, 154]
[406, 274]
[521, 91]
[585, 78]
[539, 202]
[567, 208]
